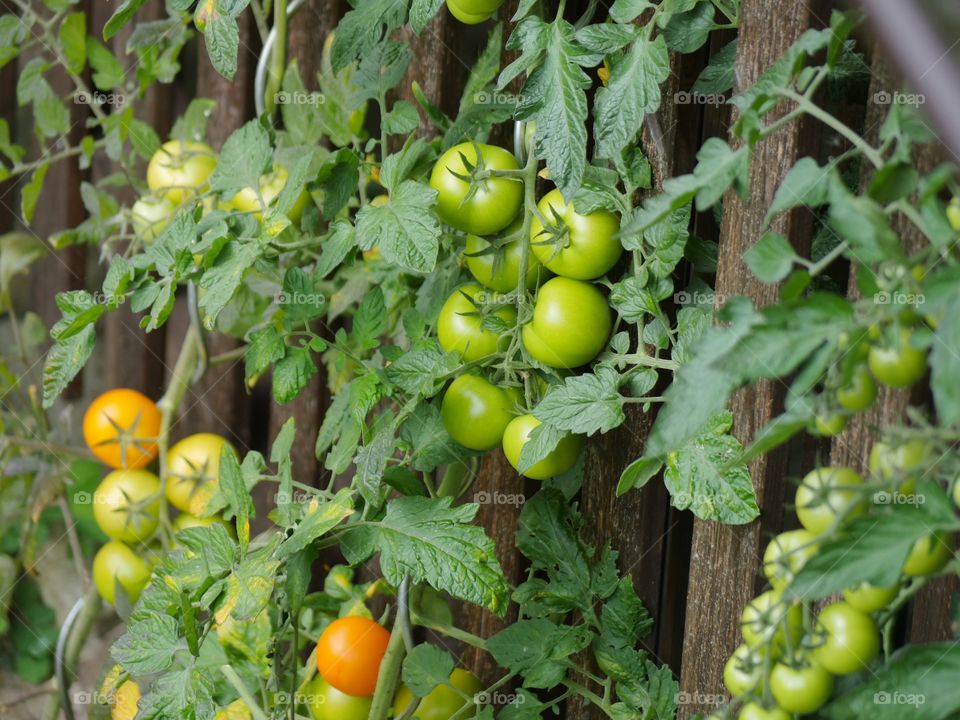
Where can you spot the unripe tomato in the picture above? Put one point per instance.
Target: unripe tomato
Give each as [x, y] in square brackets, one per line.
[869, 598]
[828, 425]
[121, 427]
[743, 670]
[443, 702]
[786, 554]
[802, 689]
[463, 10]
[899, 366]
[572, 245]
[889, 462]
[193, 471]
[125, 699]
[328, 703]
[755, 711]
[956, 493]
[496, 201]
[562, 458]
[928, 555]
[270, 186]
[953, 214]
[768, 618]
[850, 640]
[826, 493]
[123, 508]
[349, 653]
[117, 563]
[860, 393]
[460, 328]
[186, 520]
[237, 710]
[150, 216]
[476, 412]
[178, 170]
[571, 324]
[500, 269]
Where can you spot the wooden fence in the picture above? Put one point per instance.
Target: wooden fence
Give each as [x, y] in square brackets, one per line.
[694, 576]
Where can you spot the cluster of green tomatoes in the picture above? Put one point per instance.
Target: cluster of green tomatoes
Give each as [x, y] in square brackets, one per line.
[480, 193]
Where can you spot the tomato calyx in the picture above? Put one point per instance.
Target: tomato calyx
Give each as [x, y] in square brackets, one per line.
[126, 438]
[477, 174]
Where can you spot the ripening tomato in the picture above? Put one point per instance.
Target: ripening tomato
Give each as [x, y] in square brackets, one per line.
[802, 689]
[898, 366]
[178, 170]
[466, 10]
[328, 703]
[743, 670]
[476, 412]
[768, 618]
[825, 494]
[563, 457]
[495, 201]
[849, 639]
[186, 520]
[444, 701]
[786, 554]
[460, 327]
[889, 462]
[121, 427]
[582, 247]
[349, 653]
[755, 711]
[117, 563]
[270, 186]
[124, 703]
[126, 505]
[150, 216]
[498, 268]
[570, 325]
[860, 393]
[193, 471]
[928, 555]
[869, 598]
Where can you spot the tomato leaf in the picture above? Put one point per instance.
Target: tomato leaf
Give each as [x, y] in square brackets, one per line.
[292, 373]
[945, 364]
[406, 229]
[363, 27]
[585, 404]
[65, 359]
[245, 156]
[718, 77]
[319, 517]
[147, 646]
[121, 16]
[771, 259]
[426, 667]
[538, 650]
[223, 279]
[638, 473]
[222, 39]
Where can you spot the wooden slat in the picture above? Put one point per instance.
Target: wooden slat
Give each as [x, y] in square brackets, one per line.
[725, 559]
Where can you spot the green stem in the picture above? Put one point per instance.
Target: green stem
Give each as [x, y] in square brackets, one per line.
[389, 670]
[813, 110]
[231, 675]
[278, 60]
[43, 445]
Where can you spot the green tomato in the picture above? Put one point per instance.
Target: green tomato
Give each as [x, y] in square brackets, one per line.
[928, 555]
[562, 458]
[956, 493]
[328, 703]
[850, 640]
[499, 269]
[116, 563]
[898, 366]
[828, 425]
[869, 598]
[572, 245]
[889, 462]
[496, 201]
[476, 412]
[126, 505]
[150, 216]
[444, 701]
[460, 329]
[825, 494]
[803, 689]
[270, 186]
[768, 618]
[571, 324]
[755, 711]
[178, 170]
[786, 554]
[459, 9]
[953, 214]
[743, 671]
[860, 393]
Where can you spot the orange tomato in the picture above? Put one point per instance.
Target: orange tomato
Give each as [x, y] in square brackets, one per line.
[349, 654]
[121, 426]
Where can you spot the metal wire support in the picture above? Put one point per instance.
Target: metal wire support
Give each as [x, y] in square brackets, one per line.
[60, 665]
[260, 77]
